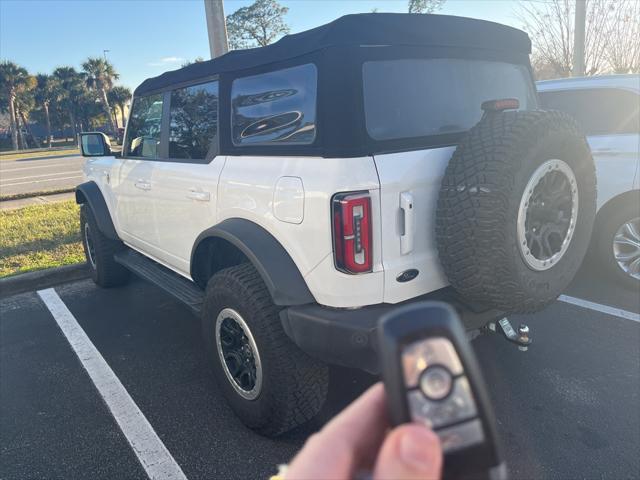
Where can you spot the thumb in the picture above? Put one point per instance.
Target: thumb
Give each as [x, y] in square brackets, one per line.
[410, 452]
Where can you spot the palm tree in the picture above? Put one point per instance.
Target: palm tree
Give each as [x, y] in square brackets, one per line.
[100, 77]
[14, 79]
[25, 102]
[72, 87]
[47, 91]
[119, 96]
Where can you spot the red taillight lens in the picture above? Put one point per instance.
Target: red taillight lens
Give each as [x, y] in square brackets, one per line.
[352, 232]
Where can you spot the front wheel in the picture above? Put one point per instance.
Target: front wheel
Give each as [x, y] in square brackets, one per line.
[99, 251]
[270, 384]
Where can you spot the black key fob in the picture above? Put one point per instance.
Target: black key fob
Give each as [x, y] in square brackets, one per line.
[431, 375]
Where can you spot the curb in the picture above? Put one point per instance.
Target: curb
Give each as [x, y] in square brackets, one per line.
[44, 193]
[31, 281]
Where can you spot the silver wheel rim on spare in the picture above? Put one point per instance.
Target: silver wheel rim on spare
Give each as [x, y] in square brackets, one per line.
[238, 354]
[626, 248]
[547, 215]
[90, 246]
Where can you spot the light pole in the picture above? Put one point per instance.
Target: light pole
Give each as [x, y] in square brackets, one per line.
[217, 27]
[104, 52]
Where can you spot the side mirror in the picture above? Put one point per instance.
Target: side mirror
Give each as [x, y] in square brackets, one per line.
[95, 144]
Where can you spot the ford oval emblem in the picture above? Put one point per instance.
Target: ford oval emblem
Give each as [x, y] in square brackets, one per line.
[407, 275]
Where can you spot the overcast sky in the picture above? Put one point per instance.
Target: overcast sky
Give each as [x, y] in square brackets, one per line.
[148, 37]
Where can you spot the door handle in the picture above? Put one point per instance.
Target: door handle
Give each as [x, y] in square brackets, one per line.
[142, 184]
[406, 237]
[199, 195]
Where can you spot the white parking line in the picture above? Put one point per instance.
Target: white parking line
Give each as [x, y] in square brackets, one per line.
[151, 452]
[39, 181]
[44, 175]
[51, 165]
[616, 312]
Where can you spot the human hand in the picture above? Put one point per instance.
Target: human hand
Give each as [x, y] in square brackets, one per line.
[358, 440]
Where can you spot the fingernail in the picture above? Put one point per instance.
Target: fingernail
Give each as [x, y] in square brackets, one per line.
[416, 446]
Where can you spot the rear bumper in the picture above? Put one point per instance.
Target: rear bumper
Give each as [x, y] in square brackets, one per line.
[348, 337]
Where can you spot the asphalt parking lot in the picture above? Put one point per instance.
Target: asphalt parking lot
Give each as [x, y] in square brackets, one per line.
[39, 174]
[567, 408]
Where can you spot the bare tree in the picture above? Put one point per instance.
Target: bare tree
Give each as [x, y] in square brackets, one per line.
[623, 46]
[550, 25]
[425, 6]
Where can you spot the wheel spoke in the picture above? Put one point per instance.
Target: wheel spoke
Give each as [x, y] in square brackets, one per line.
[633, 230]
[621, 239]
[634, 267]
[626, 257]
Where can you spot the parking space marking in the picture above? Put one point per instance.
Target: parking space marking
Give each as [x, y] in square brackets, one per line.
[40, 181]
[151, 452]
[616, 312]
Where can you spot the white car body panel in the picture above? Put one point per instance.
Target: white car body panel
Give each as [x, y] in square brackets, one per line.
[616, 156]
[248, 187]
[418, 175]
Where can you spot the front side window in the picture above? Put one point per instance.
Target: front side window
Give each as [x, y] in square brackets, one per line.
[194, 121]
[275, 108]
[424, 97]
[143, 131]
[601, 111]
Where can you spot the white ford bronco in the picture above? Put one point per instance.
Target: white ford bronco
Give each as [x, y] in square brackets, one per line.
[292, 194]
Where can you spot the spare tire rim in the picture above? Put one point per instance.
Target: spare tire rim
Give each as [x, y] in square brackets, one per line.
[91, 248]
[238, 354]
[547, 215]
[626, 248]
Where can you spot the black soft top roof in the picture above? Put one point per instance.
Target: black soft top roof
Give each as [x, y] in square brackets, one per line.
[353, 30]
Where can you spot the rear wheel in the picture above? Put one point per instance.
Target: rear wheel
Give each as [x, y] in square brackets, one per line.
[270, 384]
[99, 250]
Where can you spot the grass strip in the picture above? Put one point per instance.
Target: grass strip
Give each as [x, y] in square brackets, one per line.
[40, 154]
[38, 237]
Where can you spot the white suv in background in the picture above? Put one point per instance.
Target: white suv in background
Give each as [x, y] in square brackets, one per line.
[607, 109]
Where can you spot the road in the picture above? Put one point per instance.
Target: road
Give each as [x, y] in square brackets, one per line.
[40, 174]
[567, 408]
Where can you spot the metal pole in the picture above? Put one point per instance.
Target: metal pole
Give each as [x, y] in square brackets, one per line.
[217, 27]
[104, 52]
[578, 38]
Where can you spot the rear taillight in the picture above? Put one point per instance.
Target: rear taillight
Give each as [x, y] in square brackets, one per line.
[352, 232]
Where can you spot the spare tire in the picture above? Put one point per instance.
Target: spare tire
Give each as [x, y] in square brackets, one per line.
[516, 209]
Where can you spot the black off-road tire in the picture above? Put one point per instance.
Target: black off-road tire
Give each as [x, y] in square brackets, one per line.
[479, 201]
[294, 385]
[604, 235]
[104, 269]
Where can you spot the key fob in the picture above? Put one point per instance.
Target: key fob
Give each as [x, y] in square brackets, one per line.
[431, 375]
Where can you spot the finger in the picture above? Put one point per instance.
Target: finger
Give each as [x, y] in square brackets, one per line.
[346, 442]
[410, 452]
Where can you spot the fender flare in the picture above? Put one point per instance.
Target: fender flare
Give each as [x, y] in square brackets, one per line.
[278, 271]
[89, 193]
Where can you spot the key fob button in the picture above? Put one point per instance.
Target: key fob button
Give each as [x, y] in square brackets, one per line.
[435, 382]
[418, 356]
[461, 436]
[458, 406]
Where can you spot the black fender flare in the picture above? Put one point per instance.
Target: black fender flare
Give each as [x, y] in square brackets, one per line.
[274, 264]
[89, 193]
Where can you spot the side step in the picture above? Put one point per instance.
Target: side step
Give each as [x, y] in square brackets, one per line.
[184, 290]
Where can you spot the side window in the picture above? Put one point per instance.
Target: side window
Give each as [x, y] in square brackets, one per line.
[602, 111]
[143, 131]
[275, 108]
[194, 121]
